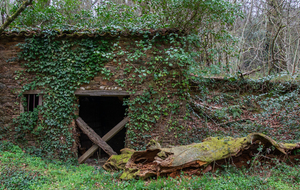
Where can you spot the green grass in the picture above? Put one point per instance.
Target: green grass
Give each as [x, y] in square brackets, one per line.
[19, 170]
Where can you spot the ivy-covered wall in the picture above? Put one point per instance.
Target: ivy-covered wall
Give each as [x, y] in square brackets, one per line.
[145, 64]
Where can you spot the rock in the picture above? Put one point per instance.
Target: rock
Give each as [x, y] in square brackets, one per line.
[2, 86]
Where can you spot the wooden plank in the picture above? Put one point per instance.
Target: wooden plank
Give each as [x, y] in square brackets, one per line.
[34, 92]
[88, 154]
[115, 130]
[106, 137]
[94, 137]
[101, 93]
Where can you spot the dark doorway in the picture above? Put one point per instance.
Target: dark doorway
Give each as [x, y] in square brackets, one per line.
[102, 114]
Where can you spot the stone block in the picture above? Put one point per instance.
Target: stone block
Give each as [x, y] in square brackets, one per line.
[98, 79]
[2, 86]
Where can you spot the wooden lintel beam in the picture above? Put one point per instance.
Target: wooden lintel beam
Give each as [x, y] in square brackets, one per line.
[34, 92]
[106, 137]
[94, 137]
[101, 93]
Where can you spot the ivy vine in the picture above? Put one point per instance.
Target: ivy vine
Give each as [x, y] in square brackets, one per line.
[60, 66]
[162, 71]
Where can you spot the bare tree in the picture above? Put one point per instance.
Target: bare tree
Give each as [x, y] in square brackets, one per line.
[268, 36]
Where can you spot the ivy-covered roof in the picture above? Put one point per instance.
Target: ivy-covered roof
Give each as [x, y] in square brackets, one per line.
[71, 33]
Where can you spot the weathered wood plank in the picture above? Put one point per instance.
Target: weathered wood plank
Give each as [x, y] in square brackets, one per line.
[34, 92]
[115, 130]
[88, 154]
[106, 137]
[101, 93]
[94, 137]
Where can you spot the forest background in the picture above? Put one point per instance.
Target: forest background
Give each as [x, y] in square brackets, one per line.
[256, 36]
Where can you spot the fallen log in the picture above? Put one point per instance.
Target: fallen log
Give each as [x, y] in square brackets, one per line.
[199, 158]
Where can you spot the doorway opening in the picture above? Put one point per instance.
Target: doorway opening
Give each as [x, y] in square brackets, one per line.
[102, 114]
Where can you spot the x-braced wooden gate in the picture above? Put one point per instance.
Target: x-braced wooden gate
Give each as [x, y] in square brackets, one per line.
[97, 140]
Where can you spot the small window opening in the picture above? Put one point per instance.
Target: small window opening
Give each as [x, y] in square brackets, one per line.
[32, 101]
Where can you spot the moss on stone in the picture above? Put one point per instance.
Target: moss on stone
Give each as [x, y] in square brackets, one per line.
[118, 162]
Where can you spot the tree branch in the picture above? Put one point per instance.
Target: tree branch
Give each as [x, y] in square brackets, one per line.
[10, 19]
[273, 47]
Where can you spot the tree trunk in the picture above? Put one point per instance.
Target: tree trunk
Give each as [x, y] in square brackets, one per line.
[10, 19]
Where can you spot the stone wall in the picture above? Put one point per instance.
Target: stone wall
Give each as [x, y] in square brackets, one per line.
[10, 88]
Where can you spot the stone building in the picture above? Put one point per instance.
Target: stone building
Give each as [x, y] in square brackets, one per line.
[101, 100]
